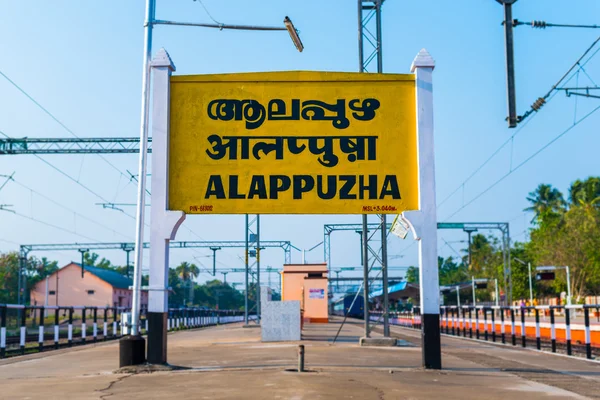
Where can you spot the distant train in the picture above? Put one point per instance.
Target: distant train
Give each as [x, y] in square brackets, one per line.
[344, 306]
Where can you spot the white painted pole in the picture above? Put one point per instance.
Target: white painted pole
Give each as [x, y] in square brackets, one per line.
[474, 298]
[496, 286]
[164, 223]
[568, 286]
[458, 296]
[46, 299]
[530, 285]
[425, 220]
[141, 192]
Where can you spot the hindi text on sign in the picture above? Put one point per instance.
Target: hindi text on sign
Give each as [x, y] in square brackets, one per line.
[357, 147]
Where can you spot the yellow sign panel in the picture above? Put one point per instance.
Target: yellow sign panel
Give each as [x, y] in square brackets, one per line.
[293, 143]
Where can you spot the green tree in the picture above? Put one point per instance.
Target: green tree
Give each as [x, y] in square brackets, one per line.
[46, 267]
[572, 240]
[451, 273]
[545, 201]
[92, 261]
[486, 257]
[585, 192]
[33, 271]
[188, 272]
[520, 272]
[176, 295]
[9, 277]
[412, 275]
[215, 292]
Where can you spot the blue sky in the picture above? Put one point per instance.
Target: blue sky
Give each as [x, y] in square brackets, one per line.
[82, 61]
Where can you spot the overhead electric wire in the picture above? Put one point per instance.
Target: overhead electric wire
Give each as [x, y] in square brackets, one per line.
[549, 96]
[9, 241]
[70, 177]
[18, 244]
[524, 162]
[54, 226]
[185, 227]
[74, 180]
[520, 215]
[490, 158]
[523, 233]
[8, 178]
[119, 191]
[544, 24]
[588, 76]
[451, 248]
[208, 13]
[535, 107]
[20, 89]
[68, 209]
[132, 176]
[54, 118]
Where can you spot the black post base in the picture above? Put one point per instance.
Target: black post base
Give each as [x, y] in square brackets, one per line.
[157, 337]
[132, 351]
[431, 341]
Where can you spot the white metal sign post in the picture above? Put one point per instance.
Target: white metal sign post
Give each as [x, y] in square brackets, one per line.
[425, 220]
[163, 223]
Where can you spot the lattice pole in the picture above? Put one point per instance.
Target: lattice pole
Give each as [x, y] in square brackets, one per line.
[370, 52]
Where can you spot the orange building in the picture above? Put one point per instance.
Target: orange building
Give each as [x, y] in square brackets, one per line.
[97, 288]
[308, 284]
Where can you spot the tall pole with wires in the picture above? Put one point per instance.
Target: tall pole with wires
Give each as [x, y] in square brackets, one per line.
[510, 62]
[132, 349]
[142, 167]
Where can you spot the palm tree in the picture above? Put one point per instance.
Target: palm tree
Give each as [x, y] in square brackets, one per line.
[482, 253]
[46, 267]
[585, 192]
[188, 272]
[545, 199]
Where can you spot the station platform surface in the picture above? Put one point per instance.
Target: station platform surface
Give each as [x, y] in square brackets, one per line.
[230, 362]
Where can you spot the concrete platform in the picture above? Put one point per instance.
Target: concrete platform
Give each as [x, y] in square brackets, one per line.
[230, 362]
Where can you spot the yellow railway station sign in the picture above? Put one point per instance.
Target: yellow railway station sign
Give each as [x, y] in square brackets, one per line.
[293, 143]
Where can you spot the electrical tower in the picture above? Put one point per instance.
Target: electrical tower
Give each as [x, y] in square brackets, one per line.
[253, 247]
[370, 58]
[127, 247]
[116, 145]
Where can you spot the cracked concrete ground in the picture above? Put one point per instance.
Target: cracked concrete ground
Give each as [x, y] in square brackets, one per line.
[230, 362]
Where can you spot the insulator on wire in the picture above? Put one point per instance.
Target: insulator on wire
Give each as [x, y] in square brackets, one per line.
[538, 24]
[538, 104]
